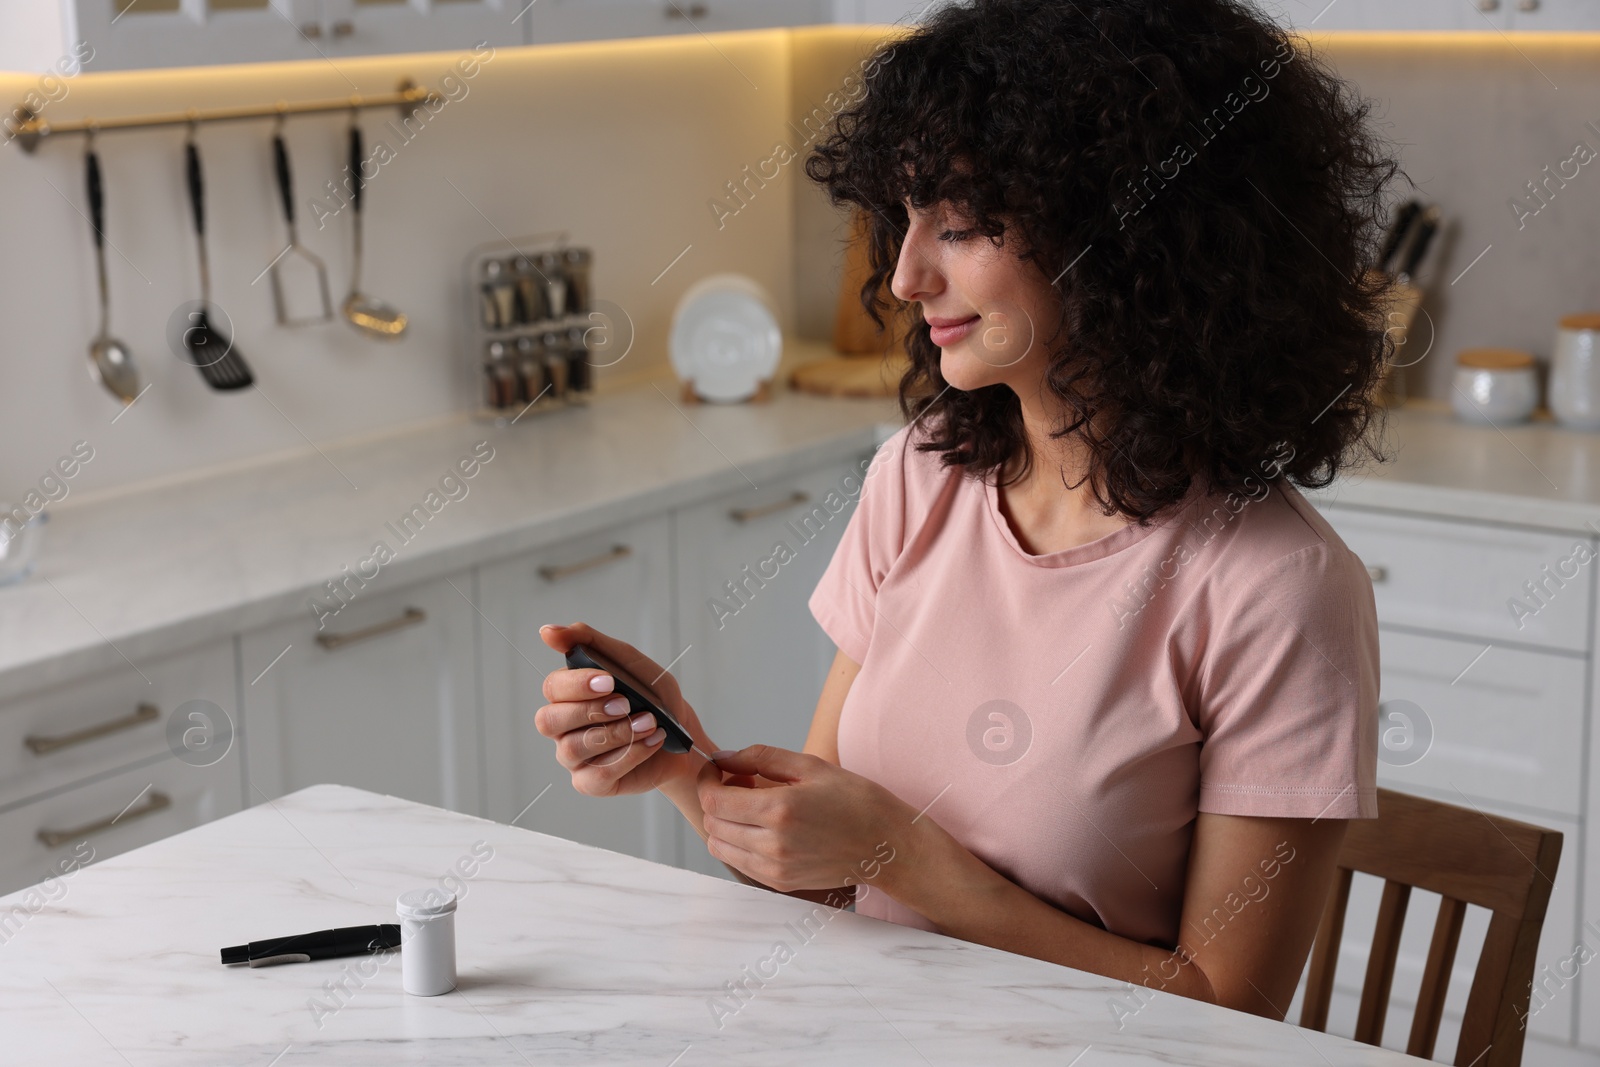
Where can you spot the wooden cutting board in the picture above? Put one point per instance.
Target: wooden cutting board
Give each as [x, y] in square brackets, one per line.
[853, 376]
[874, 359]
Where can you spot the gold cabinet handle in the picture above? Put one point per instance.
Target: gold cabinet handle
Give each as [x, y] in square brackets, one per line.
[41, 745]
[794, 499]
[1378, 574]
[56, 838]
[555, 574]
[409, 617]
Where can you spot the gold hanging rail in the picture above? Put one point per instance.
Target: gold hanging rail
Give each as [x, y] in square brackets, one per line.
[32, 129]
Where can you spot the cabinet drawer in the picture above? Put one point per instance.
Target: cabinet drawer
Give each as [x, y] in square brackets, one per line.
[1464, 578]
[87, 727]
[108, 817]
[1510, 730]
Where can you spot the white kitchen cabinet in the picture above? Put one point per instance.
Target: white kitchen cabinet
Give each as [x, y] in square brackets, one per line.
[1420, 569]
[619, 581]
[1322, 16]
[384, 27]
[1499, 727]
[107, 816]
[1544, 15]
[84, 729]
[555, 21]
[126, 35]
[96, 760]
[754, 659]
[882, 12]
[382, 697]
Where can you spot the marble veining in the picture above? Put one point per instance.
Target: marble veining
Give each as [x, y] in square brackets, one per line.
[567, 954]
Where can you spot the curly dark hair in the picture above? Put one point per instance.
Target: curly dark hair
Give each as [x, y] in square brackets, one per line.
[1217, 194]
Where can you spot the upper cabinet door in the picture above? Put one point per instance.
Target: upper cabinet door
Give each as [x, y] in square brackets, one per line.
[1535, 15]
[381, 27]
[880, 12]
[136, 34]
[1318, 16]
[556, 21]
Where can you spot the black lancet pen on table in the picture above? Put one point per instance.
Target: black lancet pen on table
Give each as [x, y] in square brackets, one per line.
[318, 945]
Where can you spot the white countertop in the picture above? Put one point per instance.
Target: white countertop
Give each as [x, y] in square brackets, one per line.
[151, 571]
[1537, 474]
[567, 955]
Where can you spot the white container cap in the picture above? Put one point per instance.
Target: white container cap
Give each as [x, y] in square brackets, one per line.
[423, 904]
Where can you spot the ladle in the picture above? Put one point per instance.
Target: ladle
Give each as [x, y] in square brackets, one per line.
[366, 313]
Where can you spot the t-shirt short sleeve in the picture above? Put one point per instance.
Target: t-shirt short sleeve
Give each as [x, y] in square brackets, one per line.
[844, 602]
[1288, 698]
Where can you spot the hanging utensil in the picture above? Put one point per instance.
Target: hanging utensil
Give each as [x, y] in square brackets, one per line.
[220, 365]
[110, 361]
[368, 314]
[284, 266]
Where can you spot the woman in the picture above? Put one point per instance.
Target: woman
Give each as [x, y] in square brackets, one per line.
[1106, 685]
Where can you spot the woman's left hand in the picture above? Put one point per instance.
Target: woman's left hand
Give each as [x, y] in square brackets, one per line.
[794, 821]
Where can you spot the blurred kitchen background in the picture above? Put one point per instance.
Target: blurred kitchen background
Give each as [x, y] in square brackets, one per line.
[624, 145]
[175, 572]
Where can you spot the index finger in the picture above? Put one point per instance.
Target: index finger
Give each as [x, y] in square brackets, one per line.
[654, 677]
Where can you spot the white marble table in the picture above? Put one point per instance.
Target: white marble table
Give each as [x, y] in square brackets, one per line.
[567, 954]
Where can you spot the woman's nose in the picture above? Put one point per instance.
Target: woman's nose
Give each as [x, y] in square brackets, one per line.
[915, 275]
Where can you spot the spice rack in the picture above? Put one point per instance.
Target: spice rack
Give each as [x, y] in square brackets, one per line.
[529, 301]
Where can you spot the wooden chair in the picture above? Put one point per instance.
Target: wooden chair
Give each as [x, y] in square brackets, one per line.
[1467, 857]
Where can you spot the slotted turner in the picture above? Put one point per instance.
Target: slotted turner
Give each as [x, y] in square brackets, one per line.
[211, 351]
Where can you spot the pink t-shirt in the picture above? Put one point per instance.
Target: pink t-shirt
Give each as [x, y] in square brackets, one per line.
[1065, 716]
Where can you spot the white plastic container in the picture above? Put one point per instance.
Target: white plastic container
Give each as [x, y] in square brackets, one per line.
[427, 941]
[1575, 373]
[1495, 385]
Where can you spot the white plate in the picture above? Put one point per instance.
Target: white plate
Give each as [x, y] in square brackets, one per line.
[725, 338]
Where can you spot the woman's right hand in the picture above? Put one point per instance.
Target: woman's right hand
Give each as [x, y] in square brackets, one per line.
[608, 752]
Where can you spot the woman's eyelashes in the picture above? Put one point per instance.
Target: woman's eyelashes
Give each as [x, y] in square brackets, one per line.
[955, 235]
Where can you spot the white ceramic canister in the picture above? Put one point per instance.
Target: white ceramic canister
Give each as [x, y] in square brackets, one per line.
[1495, 385]
[427, 941]
[1575, 372]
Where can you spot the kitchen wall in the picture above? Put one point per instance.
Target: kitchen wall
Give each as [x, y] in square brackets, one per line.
[630, 147]
[624, 146]
[1473, 117]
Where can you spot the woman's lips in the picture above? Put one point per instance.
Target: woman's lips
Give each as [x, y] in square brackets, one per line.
[946, 332]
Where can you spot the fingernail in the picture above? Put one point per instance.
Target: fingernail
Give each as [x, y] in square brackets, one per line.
[723, 754]
[547, 626]
[616, 706]
[656, 738]
[644, 723]
[601, 683]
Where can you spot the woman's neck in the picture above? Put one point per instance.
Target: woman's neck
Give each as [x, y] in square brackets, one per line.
[1052, 506]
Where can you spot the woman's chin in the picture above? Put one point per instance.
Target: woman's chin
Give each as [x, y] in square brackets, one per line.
[963, 370]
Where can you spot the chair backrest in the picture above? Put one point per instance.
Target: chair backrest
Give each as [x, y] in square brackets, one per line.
[1467, 857]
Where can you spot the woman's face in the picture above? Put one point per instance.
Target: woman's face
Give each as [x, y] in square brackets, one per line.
[988, 311]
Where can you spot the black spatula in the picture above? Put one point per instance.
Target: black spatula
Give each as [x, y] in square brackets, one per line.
[220, 364]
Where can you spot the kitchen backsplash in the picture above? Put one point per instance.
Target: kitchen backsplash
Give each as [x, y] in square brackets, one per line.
[623, 146]
[672, 160]
[1475, 118]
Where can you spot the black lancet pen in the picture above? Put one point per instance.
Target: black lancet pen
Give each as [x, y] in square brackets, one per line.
[320, 945]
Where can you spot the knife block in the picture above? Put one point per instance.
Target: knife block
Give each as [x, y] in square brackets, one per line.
[1402, 302]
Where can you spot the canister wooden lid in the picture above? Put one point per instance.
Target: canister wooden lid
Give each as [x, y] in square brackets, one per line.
[1590, 321]
[1495, 358]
